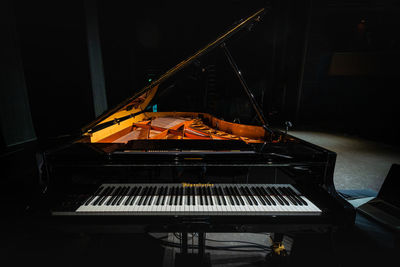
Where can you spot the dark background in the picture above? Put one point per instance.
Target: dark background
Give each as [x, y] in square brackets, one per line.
[46, 90]
[285, 60]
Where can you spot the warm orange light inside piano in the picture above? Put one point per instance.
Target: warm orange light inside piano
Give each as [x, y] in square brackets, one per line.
[178, 125]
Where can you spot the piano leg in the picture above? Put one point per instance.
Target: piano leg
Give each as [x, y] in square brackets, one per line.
[184, 243]
[201, 259]
[202, 244]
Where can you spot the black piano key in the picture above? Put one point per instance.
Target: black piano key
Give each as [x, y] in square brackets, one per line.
[97, 193]
[228, 195]
[123, 193]
[251, 195]
[174, 196]
[126, 194]
[188, 195]
[235, 197]
[146, 196]
[102, 193]
[105, 195]
[113, 196]
[143, 195]
[288, 195]
[159, 193]
[272, 193]
[136, 195]
[261, 194]
[131, 192]
[221, 194]
[152, 194]
[176, 200]
[193, 196]
[108, 193]
[177, 194]
[168, 195]
[298, 197]
[164, 196]
[171, 194]
[239, 195]
[245, 194]
[198, 192]
[257, 195]
[211, 195]
[116, 195]
[205, 195]
[278, 196]
[282, 196]
[130, 195]
[181, 196]
[267, 195]
[215, 193]
[101, 196]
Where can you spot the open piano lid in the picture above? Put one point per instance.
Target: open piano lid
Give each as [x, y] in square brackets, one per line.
[120, 117]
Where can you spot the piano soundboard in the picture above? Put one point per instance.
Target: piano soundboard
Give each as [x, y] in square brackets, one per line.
[209, 200]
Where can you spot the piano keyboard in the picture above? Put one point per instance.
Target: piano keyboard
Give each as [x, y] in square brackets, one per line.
[218, 199]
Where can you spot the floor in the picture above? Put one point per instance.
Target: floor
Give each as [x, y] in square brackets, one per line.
[360, 163]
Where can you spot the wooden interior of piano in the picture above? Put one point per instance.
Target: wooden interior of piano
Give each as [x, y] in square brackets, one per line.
[170, 125]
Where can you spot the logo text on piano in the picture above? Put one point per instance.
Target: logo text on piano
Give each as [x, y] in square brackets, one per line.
[197, 185]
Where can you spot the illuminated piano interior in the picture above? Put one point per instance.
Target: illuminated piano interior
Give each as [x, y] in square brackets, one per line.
[140, 125]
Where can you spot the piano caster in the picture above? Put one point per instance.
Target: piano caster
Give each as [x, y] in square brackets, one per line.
[279, 255]
[201, 259]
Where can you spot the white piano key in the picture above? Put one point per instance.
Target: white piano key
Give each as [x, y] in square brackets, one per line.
[214, 209]
[120, 207]
[198, 207]
[184, 209]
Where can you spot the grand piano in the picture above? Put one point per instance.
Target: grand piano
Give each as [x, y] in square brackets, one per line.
[138, 169]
